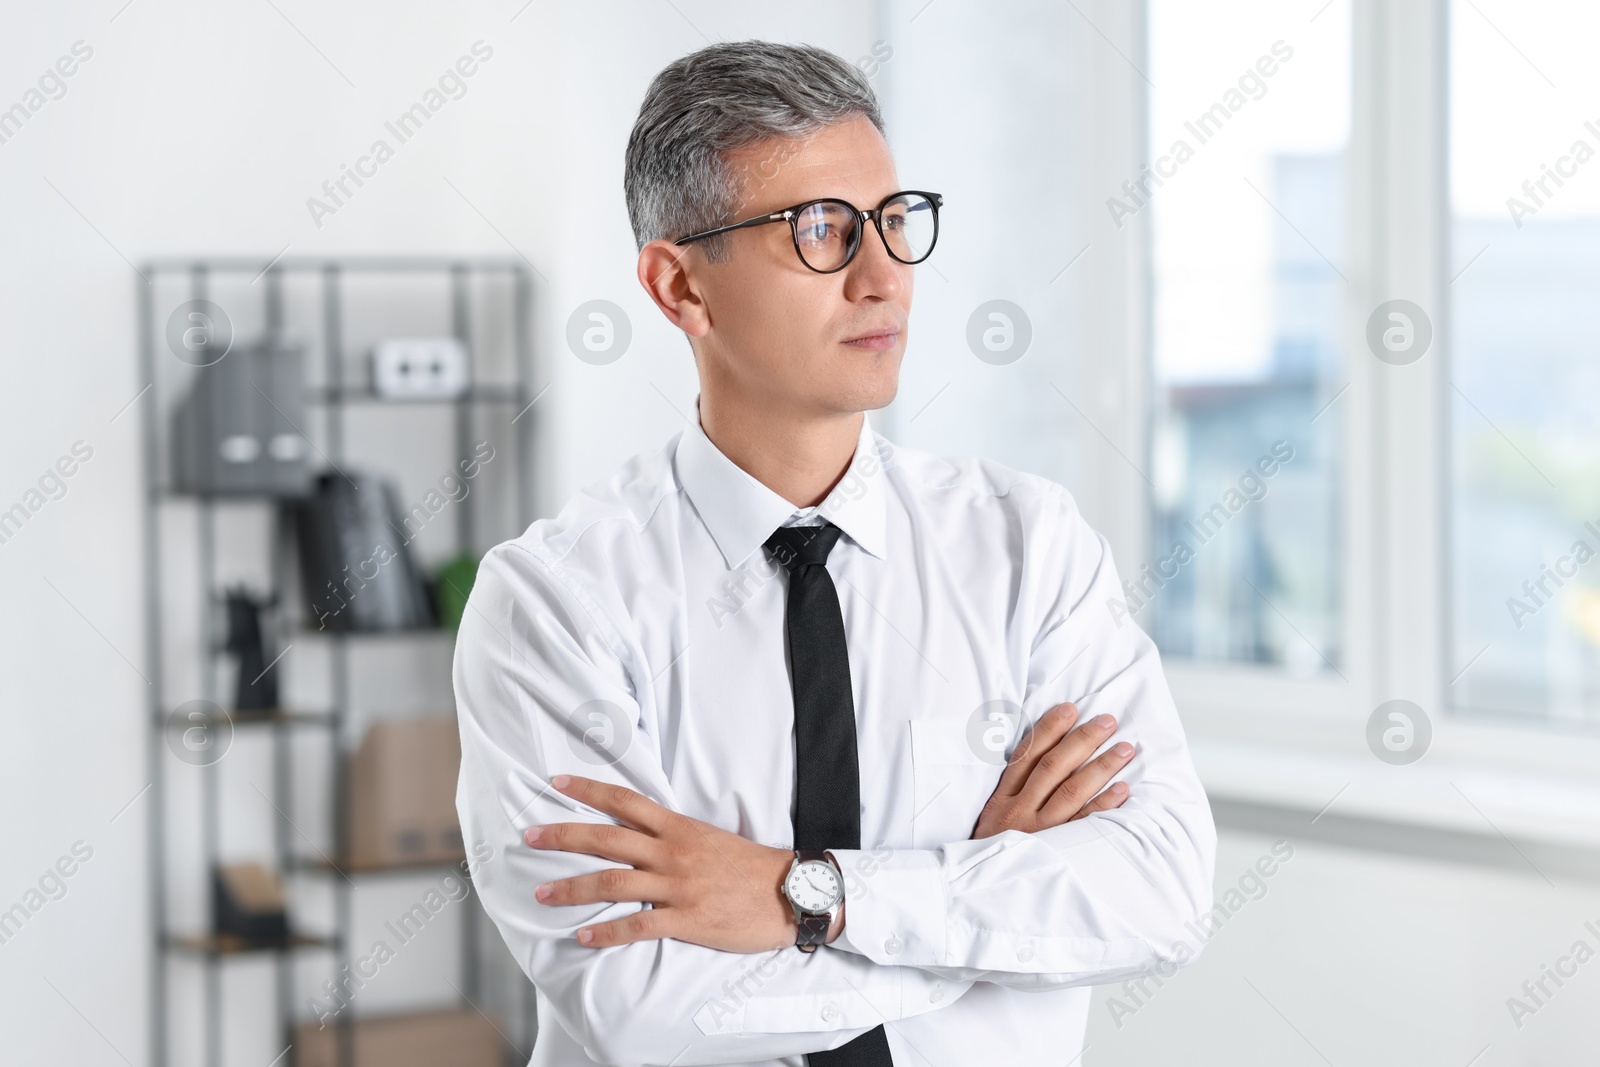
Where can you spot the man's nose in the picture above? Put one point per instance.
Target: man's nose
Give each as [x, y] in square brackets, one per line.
[873, 271]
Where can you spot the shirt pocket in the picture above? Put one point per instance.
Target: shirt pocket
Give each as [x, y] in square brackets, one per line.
[952, 778]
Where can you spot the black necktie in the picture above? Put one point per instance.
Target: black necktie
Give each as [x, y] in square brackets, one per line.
[827, 810]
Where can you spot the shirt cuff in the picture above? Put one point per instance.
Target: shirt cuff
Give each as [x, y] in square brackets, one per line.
[895, 906]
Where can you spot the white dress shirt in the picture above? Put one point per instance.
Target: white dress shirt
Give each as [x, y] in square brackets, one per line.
[639, 638]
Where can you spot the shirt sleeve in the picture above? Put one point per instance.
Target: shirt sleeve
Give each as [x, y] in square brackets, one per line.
[1106, 897]
[536, 667]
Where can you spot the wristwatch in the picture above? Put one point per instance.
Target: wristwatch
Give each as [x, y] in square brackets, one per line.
[814, 888]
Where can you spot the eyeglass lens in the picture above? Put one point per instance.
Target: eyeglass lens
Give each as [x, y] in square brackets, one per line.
[828, 231]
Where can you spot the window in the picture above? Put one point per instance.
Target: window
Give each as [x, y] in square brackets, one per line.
[1249, 123]
[1524, 377]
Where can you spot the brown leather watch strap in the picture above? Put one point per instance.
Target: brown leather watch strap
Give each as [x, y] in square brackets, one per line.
[812, 929]
[813, 932]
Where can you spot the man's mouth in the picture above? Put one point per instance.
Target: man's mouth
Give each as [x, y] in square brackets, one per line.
[874, 341]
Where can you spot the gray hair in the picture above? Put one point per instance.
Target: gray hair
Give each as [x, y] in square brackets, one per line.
[716, 101]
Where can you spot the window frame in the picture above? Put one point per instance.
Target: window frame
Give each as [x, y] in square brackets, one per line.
[1395, 482]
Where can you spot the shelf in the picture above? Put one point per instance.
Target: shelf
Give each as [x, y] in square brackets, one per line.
[229, 945]
[270, 717]
[166, 494]
[258, 265]
[482, 394]
[488, 303]
[311, 630]
[279, 716]
[321, 866]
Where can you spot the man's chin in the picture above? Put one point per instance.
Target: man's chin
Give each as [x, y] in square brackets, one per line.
[873, 385]
[867, 395]
[886, 395]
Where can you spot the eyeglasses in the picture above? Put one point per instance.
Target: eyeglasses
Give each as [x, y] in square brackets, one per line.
[827, 232]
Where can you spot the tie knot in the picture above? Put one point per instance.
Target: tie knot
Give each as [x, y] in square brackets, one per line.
[802, 546]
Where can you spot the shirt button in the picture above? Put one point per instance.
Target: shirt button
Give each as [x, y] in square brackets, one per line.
[893, 945]
[937, 994]
[1025, 953]
[829, 1014]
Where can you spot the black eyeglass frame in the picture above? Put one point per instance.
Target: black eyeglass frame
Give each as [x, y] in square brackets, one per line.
[874, 215]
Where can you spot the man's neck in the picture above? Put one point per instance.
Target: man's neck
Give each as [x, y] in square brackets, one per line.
[801, 457]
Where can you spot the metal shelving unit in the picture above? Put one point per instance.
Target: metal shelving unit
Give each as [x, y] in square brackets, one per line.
[330, 398]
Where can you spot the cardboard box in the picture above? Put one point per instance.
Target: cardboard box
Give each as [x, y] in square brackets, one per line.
[402, 785]
[424, 1039]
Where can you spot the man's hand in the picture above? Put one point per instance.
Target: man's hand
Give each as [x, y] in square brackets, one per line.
[707, 886]
[1047, 783]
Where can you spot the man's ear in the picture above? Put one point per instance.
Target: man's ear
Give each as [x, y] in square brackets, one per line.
[664, 273]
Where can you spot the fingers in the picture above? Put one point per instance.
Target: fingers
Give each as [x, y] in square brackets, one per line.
[1039, 738]
[1061, 761]
[606, 840]
[651, 924]
[1111, 797]
[614, 884]
[1082, 786]
[631, 808]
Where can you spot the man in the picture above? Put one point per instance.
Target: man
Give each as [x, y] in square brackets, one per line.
[839, 713]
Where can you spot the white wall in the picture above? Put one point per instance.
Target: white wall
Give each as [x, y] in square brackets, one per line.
[1348, 956]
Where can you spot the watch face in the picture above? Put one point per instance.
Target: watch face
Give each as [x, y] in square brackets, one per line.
[814, 886]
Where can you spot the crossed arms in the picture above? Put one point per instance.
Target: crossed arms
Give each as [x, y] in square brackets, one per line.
[1062, 883]
[713, 888]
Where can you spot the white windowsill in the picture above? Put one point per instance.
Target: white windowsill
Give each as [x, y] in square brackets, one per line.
[1483, 778]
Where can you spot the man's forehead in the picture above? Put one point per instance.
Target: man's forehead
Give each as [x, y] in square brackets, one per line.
[832, 162]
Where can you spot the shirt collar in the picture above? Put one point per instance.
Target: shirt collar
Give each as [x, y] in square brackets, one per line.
[741, 512]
